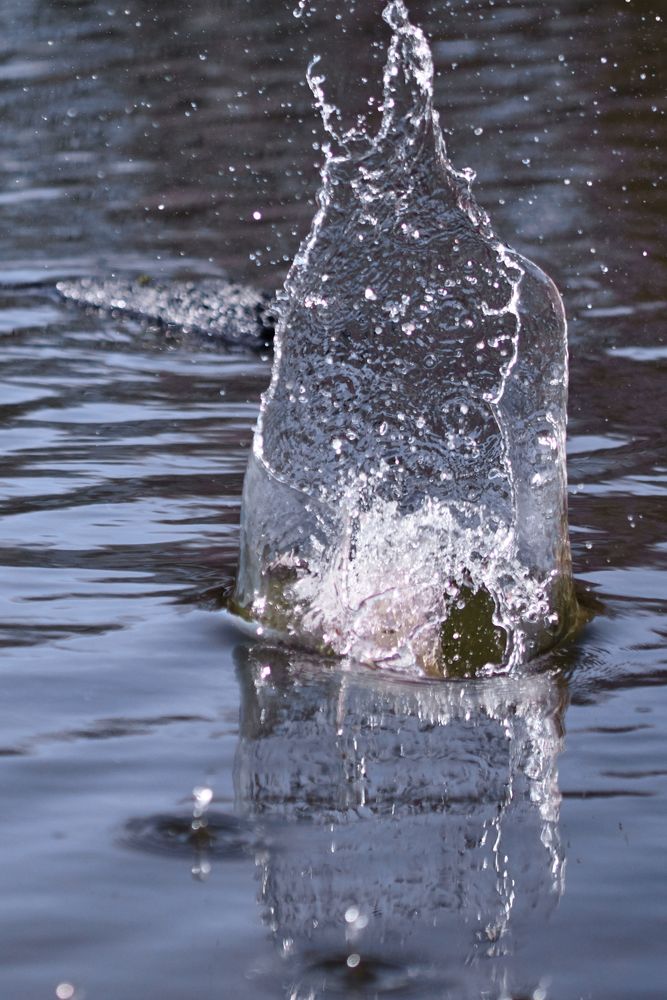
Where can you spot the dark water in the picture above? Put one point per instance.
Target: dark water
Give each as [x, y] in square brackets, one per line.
[365, 837]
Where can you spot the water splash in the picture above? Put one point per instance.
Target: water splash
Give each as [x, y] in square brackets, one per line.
[215, 307]
[405, 498]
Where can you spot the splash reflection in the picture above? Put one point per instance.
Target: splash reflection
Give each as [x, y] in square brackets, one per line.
[420, 820]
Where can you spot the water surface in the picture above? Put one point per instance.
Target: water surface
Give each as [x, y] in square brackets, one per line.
[145, 140]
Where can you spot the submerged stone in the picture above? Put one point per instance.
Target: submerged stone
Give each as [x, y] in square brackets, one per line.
[405, 501]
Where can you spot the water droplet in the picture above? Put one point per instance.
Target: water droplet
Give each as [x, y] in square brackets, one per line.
[203, 796]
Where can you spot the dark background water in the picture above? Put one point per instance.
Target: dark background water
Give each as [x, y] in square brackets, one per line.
[143, 137]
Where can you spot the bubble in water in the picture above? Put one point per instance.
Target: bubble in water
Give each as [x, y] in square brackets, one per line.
[450, 554]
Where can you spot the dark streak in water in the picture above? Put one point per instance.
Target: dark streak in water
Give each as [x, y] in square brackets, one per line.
[105, 729]
[654, 773]
[616, 730]
[600, 793]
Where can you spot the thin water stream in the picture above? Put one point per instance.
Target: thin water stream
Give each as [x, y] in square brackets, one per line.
[365, 836]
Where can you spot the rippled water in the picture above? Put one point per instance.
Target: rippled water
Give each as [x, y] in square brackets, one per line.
[365, 837]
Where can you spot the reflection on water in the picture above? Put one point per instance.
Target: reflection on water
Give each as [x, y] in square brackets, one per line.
[420, 821]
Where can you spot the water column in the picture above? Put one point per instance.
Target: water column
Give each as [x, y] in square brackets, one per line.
[407, 487]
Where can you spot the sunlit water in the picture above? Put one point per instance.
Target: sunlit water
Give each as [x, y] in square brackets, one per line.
[365, 835]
